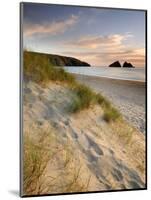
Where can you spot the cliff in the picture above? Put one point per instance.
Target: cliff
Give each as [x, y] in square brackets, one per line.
[57, 60]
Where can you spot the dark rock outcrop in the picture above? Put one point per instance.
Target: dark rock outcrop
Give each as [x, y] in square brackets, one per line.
[115, 64]
[58, 60]
[128, 65]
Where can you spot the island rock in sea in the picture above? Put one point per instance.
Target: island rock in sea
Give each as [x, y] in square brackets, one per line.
[115, 64]
[128, 65]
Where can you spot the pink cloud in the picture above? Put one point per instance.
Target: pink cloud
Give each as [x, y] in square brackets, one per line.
[95, 42]
[50, 28]
[103, 50]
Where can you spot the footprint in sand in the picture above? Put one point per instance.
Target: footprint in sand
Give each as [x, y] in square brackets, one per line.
[117, 174]
[74, 134]
[66, 122]
[91, 157]
[134, 179]
[111, 151]
[134, 185]
[94, 146]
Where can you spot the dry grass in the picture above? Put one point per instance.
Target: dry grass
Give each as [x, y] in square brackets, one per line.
[38, 68]
[35, 161]
[84, 97]
[111, 114]
[123, 130]
[50, 167]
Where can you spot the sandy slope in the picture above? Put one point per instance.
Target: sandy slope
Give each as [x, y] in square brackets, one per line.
[110, 159]
[127, 96]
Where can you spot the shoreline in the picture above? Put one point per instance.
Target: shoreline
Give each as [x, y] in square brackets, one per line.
[128, 81]
[128, 97]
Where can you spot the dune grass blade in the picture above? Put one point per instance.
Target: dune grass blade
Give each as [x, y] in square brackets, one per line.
[111, 114]
[83, 97]
[35, 161]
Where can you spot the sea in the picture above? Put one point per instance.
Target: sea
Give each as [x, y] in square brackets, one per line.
[133, 74]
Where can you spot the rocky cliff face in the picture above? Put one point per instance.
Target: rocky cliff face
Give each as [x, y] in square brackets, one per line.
[66, 61]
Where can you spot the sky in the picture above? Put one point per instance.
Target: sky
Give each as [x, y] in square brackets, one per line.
[98, 36]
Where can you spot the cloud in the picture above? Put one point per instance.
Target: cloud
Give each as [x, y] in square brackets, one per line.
[52, 28]
[103, 50]
[95, 42]
[136, 56]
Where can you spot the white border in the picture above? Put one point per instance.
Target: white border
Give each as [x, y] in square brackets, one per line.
[9, 99]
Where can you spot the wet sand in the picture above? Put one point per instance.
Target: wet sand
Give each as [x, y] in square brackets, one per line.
[127, 96]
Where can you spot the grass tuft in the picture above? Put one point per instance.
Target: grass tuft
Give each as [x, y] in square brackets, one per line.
[111, 114]
[84, 96]
[38, 68]
[35, 162]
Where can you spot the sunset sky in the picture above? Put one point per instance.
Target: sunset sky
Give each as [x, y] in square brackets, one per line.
[95, 35]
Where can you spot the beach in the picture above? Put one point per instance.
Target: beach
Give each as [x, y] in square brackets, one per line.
[85, 153]
[127, 96]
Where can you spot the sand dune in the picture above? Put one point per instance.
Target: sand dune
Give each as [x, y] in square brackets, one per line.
[111, 159]
[127, 96]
